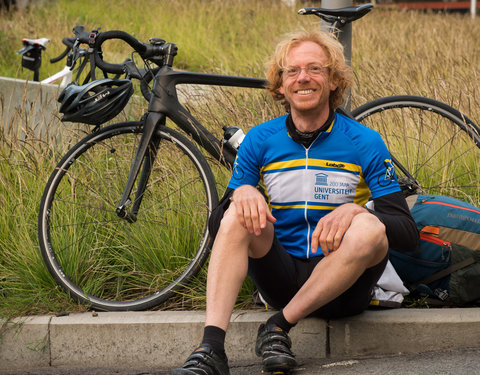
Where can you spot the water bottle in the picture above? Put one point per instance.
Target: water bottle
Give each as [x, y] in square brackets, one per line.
[233, 137]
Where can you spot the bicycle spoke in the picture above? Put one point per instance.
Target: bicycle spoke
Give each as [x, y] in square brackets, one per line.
[114, 263]
[431, 141]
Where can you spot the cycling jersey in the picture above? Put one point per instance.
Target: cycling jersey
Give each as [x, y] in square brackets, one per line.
[347, 162]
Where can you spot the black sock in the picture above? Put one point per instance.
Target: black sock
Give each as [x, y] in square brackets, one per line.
[215, 337]
[279, 320]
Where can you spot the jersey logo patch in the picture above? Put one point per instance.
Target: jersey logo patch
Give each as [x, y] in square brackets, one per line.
[329, 189]
[237, 172]
[389, 175]
[335, 165]
[321, 179]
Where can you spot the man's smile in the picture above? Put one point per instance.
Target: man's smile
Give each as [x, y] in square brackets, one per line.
[304, 91]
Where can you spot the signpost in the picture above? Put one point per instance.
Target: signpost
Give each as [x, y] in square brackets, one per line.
[345, 36]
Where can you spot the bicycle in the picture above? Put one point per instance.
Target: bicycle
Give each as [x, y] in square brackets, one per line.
[133, 195]
[32, 58]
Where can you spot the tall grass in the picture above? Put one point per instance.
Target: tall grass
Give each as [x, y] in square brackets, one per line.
[25, 284]
[430, 54]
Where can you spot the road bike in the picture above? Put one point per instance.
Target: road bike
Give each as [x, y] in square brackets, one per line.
[123, 219]
[77, 58]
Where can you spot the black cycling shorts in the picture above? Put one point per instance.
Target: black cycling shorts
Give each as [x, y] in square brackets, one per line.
[278, 277]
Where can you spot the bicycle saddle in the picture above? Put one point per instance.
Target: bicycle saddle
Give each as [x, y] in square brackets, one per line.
[42, 42]
[344, 15]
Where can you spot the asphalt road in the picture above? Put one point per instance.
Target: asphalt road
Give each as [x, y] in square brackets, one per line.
[458, 362]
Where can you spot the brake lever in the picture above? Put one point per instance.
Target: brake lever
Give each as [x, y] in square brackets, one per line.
[132, 71]
[74, 54]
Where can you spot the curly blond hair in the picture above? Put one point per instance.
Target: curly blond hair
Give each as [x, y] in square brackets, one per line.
[339, 72]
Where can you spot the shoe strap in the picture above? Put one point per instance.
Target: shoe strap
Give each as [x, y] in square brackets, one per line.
[202, 359]
[273, 339]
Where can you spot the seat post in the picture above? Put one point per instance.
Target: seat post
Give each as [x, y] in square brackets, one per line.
[345, 36]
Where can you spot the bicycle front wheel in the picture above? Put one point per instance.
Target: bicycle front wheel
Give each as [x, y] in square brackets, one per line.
[436, 148]
[111, 263]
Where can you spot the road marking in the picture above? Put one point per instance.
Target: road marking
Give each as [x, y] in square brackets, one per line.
[342, 363]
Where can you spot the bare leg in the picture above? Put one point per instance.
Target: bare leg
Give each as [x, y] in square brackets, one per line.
[364, 245]
[229, 265]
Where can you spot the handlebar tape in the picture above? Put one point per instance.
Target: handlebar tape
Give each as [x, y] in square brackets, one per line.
[138, 46]
[69, 43]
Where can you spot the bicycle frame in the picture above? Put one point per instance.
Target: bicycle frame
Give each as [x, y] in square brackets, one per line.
[65, 75]
[164, 103]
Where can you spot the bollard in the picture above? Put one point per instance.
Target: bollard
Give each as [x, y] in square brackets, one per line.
[345, 36]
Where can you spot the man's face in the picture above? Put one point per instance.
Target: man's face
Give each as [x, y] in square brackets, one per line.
[305, 83]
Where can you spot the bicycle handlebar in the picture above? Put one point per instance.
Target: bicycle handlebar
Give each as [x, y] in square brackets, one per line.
[82, 36]
[156, 50]
[69, 43]
[144, 49]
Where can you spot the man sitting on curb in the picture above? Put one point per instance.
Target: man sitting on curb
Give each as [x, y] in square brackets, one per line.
[313, 249]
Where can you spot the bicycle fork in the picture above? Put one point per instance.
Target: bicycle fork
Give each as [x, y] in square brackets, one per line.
[144, 160]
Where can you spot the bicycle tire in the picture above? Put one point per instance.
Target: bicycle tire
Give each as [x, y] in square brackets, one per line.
[103, 260]
[438, 146]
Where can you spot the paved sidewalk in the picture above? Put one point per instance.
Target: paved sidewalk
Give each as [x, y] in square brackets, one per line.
[156, 339]
[445, 362]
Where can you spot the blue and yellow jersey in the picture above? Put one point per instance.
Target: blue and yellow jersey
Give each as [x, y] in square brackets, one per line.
[346, 163]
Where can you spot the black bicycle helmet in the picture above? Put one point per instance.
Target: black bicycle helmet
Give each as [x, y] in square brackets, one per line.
[95, 102]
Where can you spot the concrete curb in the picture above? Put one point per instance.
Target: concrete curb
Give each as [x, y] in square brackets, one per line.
[164, 339]
[31, 109]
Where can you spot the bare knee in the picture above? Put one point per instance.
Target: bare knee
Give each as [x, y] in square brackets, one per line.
[369, 225]
[367, 235]
[233, 234]
[230, 223]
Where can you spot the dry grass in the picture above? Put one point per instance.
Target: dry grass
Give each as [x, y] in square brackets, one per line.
[427, 54]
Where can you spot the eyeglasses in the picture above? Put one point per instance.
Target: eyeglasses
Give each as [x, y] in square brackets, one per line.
[311, 70]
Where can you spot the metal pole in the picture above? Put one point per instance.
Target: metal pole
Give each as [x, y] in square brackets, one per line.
[345, 36]
[473, 8]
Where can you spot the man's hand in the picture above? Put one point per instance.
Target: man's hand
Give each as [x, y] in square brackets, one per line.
[252, 209]
[331, 228]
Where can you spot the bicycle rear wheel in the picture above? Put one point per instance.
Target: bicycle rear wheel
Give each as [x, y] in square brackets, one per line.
[437, 148]
[108, 262]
